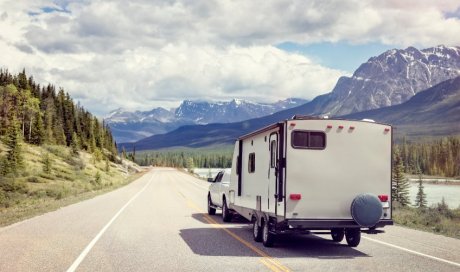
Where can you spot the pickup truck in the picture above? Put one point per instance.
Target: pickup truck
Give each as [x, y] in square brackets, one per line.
[217, 195]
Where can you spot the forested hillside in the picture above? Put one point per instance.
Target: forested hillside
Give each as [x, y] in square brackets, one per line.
[42, 114]
[52, 151]
[439, 157]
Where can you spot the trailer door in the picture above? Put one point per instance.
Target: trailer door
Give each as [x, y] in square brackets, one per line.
[275, 183]
[272, 172]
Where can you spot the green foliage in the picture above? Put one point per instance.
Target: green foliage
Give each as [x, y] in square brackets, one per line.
[45, 115]
[47, 164]
[74, 145]
[420, 199]
[107, 165]
[201, 158]
[190, 165]
[440, 157]
[400, 184]
[437, 218]
[13, 161]
[97, 179]
[38, 131]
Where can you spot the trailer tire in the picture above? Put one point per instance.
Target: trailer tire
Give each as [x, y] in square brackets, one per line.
[366, 210]
[256, 230]
[353, 237]
[211, 210]
[268, 239]
[226, 215]
[337, 235]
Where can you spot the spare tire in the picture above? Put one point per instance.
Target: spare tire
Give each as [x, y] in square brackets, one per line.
[366, 210]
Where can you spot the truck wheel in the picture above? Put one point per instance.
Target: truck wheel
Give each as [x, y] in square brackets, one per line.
[256, 230]
[226, 215]
[353, 237]
[268, 239]
[337, 235]
[211, 210]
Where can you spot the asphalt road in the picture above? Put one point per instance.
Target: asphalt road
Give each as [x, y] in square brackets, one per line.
[158, 223]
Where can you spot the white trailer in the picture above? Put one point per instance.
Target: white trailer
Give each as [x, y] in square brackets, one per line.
[310, 173]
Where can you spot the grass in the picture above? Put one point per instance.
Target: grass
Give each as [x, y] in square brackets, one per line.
[72, 178]
[437, 219]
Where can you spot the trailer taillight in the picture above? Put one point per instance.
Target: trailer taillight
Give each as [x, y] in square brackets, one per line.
[340, 127]
[383, 198]
[387, 129]
[295, 196]
[329, 126]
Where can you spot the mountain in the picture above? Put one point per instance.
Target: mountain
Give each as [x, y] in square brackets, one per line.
[131, 126]
[435, 111]
[432, 112]
[389, 79]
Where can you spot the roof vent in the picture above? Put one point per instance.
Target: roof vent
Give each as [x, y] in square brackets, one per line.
[368, 120]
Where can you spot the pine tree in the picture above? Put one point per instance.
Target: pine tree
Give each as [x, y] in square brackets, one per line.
[400, 185]
[190, 165]
[47, 163]
[420, 199]
[38, 131]
[74, 145]
[13, 161]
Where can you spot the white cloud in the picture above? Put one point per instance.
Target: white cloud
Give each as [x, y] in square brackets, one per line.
[140, 54]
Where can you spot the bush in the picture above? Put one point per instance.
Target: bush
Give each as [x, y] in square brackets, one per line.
[33, 180]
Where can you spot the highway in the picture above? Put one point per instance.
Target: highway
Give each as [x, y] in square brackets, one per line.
[158, 223]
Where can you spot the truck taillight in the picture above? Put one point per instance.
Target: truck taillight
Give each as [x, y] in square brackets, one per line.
[383, 198]
[295, 196]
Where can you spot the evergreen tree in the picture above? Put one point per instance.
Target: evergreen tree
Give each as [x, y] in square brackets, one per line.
[74, 145]
[47, 163]
[400, 185]
[13, 161]
[38, 131]
[107, 165]
[420, 199]
[190, 165]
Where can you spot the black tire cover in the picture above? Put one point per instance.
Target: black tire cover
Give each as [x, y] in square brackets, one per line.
[366, 210]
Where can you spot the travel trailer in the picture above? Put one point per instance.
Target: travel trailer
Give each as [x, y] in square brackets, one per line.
[307, 174]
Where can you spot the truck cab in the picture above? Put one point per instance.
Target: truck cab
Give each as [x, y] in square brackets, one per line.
[218, 194]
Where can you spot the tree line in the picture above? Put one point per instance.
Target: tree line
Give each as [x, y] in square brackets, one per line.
[185, 158]
[439, 157]
[44, 115]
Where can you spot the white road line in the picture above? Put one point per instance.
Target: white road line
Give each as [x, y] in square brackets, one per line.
[87, 249]
[413, 252]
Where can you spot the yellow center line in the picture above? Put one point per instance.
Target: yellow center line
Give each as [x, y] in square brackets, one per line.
[266, 259]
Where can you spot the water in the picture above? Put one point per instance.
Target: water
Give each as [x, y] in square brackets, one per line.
[435, 193]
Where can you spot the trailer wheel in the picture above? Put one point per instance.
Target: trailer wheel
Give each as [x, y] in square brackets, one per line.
[256, 230]
[337, 235]
[268, 239]
[211, 210]
[226, 215]
[353, 237]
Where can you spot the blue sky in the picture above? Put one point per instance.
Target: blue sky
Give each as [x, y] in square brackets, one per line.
[341, 55]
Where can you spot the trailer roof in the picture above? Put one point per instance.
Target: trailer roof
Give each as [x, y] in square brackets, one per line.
[302, 117]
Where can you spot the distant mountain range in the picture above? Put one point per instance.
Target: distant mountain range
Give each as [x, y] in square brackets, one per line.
[130, 126]
[387, 80]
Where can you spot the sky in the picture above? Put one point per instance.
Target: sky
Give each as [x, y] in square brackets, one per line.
[142, 54]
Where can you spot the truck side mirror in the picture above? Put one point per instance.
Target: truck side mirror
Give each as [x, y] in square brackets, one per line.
[210, 180]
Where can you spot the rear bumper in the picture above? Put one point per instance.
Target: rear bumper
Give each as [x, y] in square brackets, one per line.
[323, 224]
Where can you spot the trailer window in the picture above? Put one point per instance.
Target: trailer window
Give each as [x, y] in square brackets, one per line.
[252, 163]
[308, 139]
